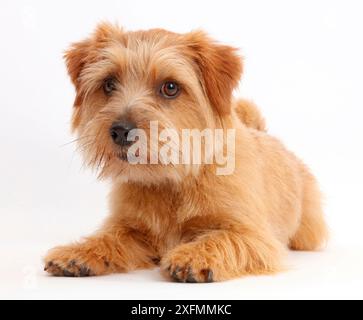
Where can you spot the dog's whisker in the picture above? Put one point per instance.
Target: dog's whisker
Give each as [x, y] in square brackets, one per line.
[101, 159]
[74, 141]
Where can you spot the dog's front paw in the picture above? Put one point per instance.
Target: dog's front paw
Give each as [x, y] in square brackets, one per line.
[75, 261]
[187, 263]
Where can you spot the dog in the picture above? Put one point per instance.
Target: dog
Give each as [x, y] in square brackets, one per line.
[196, 225]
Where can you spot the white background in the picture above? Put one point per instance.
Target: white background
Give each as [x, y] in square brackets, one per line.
[303, 67]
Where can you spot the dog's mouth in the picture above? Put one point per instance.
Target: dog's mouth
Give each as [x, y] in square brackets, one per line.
[125, 156]
[122, 154]
[122, 157]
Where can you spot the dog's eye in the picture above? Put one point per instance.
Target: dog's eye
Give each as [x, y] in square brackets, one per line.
[109, 85]
[170, 90]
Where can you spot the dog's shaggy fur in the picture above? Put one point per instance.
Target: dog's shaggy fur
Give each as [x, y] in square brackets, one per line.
[198, 226]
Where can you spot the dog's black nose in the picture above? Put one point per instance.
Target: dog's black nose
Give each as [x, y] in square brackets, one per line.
[119, 132]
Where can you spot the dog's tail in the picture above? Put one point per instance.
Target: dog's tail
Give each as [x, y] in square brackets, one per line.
[249, 114]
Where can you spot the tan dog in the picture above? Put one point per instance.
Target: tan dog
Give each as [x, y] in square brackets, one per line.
[199, 226]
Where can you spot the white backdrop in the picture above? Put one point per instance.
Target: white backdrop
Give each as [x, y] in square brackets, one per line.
[303, 67]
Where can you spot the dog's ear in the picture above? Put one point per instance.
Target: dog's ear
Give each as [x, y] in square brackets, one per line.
[76, 58]
[220, 66]
[85, 52]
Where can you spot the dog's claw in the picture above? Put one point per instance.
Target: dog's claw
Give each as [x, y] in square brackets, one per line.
[190, 277]
[210, 276]
[174, 275]
[84, 271]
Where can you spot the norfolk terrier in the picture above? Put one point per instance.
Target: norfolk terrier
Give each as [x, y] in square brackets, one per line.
[197, 218]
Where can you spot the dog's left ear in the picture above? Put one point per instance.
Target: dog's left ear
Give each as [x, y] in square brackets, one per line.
[220, 67]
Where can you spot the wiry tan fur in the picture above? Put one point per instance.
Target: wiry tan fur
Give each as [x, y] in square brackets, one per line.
[197, 226]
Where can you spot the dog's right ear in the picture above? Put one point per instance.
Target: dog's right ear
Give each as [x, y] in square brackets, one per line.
[82, 53]
[76, 58]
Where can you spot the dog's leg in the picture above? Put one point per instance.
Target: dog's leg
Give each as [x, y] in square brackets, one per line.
[221, 255]
[107, 252]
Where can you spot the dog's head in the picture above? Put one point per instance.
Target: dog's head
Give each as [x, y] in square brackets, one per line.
[131, 80]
